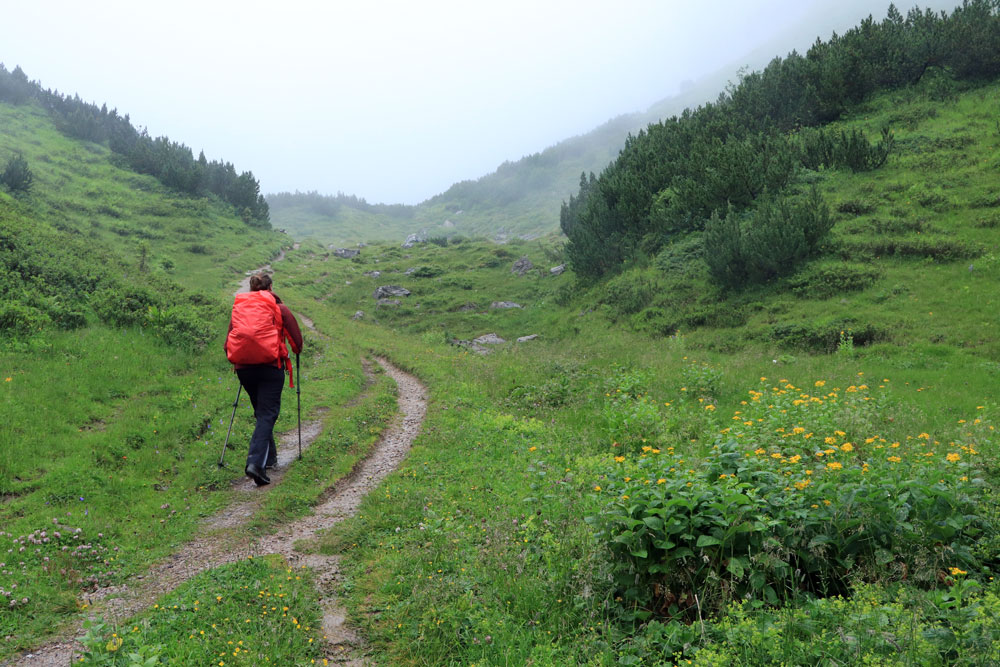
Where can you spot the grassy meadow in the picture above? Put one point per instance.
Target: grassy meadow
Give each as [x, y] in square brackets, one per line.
[799, 473]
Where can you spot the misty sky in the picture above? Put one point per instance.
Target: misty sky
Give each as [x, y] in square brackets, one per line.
[393, 101]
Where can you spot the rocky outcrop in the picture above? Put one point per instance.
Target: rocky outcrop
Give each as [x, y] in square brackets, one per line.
[386, 291]
[505, 304]
[346, 253]
[525, 339]
[489, 339]
[522, 266]
[557, 270]
[412, 240]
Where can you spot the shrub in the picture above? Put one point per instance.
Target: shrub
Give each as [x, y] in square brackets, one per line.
[20, 320]
[178, 325]
[823, 282]
[632, 422]
[628, 293]
[937, 248]
[124, 306]
[792, 505]
[824, 335]
[770, 241]
[655, 321]
[428, 271]
[16, 175]
[701, 380]
[835, 150]
[857, 207]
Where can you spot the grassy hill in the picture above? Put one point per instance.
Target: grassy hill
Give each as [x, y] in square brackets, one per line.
[855, 397]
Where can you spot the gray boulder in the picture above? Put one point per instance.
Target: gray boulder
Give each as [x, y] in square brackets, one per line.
[525, 339]
[472, 345]
[522, 266]
[346, 253]
[557, 270]
[386, 291]
[505, 304]
[373, 274]
[489, 339]
[359, 315]
[412, 240]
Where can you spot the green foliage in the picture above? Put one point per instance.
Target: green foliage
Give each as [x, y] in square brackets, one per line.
[844, 149]
[772, 241]
[823, 335]
[771, 514]
[827, 280]
[16, 175]
[628, 293]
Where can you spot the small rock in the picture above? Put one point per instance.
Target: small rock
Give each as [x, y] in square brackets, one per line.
[489, 339]
[467, 307]
[505, 304]
[346, 253]
[373, 274]
[410, 271]
[522, 266]
[359, 315]
[472, 345]
[525, 339]
[385, 291]
[557, 270]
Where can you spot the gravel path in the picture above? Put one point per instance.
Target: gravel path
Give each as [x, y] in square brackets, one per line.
[222, 538]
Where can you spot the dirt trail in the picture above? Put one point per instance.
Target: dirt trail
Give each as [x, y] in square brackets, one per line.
[222, 538]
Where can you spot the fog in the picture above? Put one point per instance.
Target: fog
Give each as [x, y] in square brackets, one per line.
[394, 101]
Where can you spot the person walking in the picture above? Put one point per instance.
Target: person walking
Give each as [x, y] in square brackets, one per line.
[255, 345]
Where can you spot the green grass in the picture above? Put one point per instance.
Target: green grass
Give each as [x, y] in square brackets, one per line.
[254, 612]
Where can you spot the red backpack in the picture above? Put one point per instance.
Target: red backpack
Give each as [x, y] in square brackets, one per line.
[257, 334]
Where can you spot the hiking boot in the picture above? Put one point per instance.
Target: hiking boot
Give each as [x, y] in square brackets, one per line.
[259, 477]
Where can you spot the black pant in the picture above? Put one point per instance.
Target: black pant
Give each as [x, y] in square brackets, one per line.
[263, 385]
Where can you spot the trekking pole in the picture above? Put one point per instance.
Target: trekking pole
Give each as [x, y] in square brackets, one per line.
[239, 388]
[298, 401]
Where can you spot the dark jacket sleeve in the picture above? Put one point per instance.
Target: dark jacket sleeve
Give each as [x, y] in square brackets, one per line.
[291, 326]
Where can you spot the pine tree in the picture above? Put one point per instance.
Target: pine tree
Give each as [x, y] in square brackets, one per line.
[17, 176]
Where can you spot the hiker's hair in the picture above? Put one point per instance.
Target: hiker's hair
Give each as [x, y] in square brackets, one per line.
[259, 281]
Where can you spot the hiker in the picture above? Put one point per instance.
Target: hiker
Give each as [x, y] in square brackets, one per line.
[255, 345]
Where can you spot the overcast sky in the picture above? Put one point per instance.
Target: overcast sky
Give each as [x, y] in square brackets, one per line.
[392, 101]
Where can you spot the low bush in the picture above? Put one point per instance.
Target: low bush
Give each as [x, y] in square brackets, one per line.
[824, 335]
[428, 271]
[825, 281]
[941, 249]
[632, 422]
[770, 241]
[627, 293]
[857, 207]
[793, 502]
